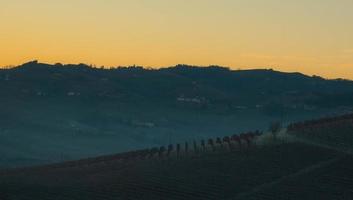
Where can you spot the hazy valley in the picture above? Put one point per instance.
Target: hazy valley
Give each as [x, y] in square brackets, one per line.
[52, 113]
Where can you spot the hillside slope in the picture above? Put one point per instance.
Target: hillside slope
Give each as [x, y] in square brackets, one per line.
[252, 173]
[52, 113]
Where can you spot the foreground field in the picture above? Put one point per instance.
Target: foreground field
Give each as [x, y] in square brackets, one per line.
[327, 180]
[214, 175]
[308, 160]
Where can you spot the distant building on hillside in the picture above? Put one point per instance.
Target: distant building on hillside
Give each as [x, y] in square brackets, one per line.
[73, 94]
[182, 98]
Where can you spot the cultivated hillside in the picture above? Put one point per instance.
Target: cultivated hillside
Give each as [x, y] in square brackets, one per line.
[252, 166]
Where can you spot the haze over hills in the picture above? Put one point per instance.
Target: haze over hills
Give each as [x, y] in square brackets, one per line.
[51, 113]
[310, 159]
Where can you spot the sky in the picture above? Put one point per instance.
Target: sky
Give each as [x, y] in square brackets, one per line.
[310, 36]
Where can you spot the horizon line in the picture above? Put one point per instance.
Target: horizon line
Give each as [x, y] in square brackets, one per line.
[102, 67]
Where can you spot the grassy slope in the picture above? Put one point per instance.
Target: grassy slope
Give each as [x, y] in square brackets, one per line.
[296, 167]
[210, 176]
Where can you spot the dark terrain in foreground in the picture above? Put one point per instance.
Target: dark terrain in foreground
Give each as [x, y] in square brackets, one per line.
[303, 162]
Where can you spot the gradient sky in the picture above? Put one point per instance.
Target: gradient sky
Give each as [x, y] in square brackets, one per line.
[310, 36]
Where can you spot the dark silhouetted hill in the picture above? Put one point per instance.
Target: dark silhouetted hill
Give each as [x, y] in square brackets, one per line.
[207, 87]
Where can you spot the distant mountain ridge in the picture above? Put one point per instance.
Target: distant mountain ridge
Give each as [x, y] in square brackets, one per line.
[204, 86]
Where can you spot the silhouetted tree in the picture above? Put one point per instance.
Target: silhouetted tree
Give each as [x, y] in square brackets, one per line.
[258, 133]
[211, 143]
[219, 141]
[170, 149]
[275, 127]
[58, 65]
[245, 137]
[154, 151]
[251, 135]
[203, 145]
[195, 146]
[144, 153]
[178, 149]
[161, 151]
[236, 138]
[226, 139]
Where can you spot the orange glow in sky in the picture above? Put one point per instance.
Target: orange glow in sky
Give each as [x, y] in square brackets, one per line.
[313, 37]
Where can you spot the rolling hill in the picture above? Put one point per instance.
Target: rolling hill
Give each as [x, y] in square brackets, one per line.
[53, 113]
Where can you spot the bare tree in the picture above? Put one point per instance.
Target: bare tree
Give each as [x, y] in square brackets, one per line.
[219, 141]
[153, 151]
[236, 138]
[170, 149]
[226, 139]
[195, 146]
[275, 127]
[186, 147]
[161, 151]
[178, 149]
[203, 145]
[211, 143]
[245, 136]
